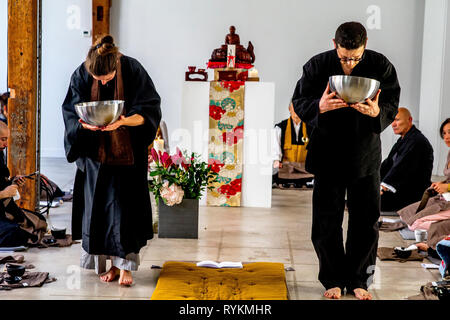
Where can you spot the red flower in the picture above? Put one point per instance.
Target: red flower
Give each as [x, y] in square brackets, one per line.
[227, 190]
[155, 155]
[216, 112]
[232, 188]
[236, 184]
[166, 160]
[232, 85]
[233, 137]
[215, 165]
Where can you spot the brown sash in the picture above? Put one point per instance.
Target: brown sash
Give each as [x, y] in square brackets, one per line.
[114, 146]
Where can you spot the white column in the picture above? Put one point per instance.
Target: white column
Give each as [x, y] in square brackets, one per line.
[435, 61]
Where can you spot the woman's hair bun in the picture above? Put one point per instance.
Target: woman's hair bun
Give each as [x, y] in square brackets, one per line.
[107, 39]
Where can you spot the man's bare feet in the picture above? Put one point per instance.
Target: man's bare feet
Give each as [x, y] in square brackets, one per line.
[362, 294]
[126, 278]
[333, 293]
[110, 275]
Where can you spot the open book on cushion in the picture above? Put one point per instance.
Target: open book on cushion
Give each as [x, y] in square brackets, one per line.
[224, 264]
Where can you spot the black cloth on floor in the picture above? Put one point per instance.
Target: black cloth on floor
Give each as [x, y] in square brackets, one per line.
[29, 280]
[408, 169]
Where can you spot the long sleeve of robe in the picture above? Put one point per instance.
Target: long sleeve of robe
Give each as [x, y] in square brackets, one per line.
[344, 142]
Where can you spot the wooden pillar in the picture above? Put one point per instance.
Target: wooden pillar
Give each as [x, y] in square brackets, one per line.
[22, 105]
[100, 18]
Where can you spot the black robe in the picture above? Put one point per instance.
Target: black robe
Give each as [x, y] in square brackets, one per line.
[111, 205]
[408, 169]
[345, 143]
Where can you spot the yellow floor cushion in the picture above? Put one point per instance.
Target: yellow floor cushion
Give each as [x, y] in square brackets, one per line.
[186, 281]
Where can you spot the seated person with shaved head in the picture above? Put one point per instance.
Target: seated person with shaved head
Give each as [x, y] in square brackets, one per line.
[406, 172]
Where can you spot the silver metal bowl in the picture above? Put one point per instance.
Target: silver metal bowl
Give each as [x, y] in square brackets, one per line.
[354, 89]
[100, 113]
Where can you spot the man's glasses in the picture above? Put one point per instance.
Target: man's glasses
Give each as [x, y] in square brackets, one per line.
[345, 60]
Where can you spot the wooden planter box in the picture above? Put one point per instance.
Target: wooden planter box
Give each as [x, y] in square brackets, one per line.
[178, 221]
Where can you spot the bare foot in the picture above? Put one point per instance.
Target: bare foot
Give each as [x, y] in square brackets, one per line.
[110, 275]
[362, 294]
[126, 278]
[333, 293]
[422, 246]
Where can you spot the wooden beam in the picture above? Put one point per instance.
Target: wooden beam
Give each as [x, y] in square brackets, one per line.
[100, 18]
[22, 105]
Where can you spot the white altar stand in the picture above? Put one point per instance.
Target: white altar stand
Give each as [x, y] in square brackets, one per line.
[258, 130]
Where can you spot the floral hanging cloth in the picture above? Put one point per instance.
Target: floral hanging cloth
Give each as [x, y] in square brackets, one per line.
[225, 146]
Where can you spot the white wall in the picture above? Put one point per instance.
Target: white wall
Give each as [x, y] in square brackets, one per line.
[63, 50]
[442, 149]
[434, 94]
[168, 35]
[3, 45]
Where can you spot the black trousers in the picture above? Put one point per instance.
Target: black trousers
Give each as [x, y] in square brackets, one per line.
[350, 267]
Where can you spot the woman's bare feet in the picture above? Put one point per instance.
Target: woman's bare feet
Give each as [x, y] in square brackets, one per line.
[126, 278]
[362, 294]
[110, 275]
[333, 293]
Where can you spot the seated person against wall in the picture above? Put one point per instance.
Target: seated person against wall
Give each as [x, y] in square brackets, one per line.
[17, 228]
[406, 172]
[290, 152]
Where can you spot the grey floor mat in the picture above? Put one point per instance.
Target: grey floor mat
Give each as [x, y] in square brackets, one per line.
[407, 234]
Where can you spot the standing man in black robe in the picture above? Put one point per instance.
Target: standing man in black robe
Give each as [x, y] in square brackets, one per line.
[111, 204]
[344, 154]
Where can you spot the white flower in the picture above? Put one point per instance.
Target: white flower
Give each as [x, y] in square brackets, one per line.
[171, 194]
[231, 173]
[232, 118]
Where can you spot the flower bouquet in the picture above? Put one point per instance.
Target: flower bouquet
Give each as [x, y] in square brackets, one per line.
[179, 177]
[180, 181]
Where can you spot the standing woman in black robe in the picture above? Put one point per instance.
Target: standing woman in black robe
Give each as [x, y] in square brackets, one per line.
[111, 206]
